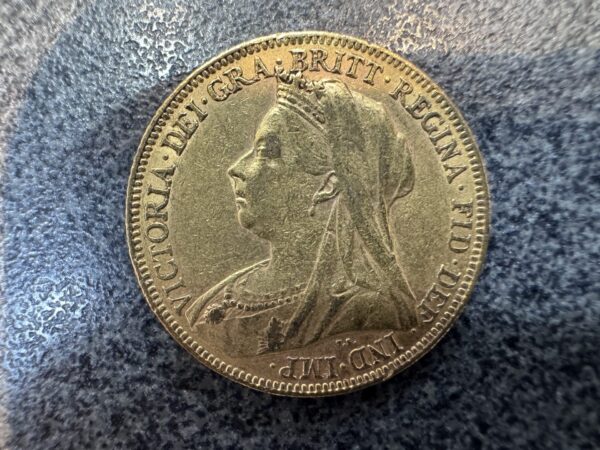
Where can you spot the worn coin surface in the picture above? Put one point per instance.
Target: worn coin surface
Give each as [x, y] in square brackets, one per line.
[307, 213]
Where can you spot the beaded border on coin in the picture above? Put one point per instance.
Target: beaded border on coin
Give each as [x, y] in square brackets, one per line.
[133, 213]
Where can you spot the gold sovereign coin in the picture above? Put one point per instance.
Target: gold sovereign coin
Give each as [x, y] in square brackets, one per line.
[307, 214]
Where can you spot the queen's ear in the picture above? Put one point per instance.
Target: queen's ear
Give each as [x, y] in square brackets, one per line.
[329, 189]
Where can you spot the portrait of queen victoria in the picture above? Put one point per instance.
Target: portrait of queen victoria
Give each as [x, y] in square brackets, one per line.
[326, 166]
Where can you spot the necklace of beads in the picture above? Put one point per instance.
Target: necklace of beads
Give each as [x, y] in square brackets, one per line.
[257, 302]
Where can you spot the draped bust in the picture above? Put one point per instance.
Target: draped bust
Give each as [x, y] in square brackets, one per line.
[325, 169]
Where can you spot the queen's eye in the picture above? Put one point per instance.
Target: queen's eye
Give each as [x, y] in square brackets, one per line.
[268, 147]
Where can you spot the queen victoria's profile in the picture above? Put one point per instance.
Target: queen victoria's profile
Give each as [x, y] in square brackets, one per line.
[326, 166]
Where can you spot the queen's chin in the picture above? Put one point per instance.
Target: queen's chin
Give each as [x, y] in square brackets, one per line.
[244, 216]
[253, 223]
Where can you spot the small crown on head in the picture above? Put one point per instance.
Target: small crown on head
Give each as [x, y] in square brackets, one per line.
[295, 92]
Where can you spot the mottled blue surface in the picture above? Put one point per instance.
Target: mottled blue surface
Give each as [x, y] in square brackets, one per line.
[86, 364]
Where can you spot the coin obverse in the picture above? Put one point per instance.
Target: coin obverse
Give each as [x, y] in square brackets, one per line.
[307, 214]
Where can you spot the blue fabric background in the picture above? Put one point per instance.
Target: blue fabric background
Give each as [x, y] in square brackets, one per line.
[87, 365]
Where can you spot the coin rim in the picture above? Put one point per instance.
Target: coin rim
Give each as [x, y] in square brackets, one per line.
[442, 325]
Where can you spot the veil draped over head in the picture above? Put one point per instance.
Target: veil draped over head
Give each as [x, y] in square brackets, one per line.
[372, 163]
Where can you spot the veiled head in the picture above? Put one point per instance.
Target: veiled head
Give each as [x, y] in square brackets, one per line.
[277, 180]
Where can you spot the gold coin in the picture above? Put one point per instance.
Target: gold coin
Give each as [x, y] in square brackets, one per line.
[307, 213]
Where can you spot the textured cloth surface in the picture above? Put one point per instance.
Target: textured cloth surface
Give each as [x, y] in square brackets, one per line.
[85, 364]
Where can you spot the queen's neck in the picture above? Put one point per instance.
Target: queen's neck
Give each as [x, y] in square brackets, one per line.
[292, 261]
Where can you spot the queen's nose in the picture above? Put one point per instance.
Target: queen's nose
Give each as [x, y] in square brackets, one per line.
[237, 170]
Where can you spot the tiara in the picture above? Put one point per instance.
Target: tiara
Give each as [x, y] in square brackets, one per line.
[293, 92]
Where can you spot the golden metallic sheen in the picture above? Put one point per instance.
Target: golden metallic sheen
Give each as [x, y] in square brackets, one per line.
[307, 213]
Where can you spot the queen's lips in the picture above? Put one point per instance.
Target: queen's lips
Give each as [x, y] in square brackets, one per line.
[240, 198]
